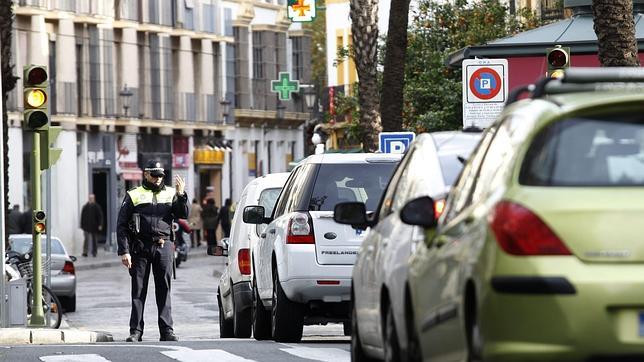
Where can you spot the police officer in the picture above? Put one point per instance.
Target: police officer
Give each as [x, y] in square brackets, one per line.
[144, 243]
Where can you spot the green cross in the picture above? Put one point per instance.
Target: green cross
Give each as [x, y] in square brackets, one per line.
[284, 86]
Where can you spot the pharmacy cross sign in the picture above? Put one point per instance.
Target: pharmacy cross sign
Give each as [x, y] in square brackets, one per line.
[284, 86]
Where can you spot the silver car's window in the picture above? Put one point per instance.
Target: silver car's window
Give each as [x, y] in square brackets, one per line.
[23, 245]
[267, 199]
[587, 152]
[363, 182]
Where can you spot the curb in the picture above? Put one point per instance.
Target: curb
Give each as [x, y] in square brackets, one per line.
[116, 262]
[51, 336]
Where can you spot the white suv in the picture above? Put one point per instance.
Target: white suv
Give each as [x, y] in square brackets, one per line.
[302, 267]
[234, 292]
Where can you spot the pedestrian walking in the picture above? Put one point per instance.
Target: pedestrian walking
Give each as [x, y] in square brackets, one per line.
[196, 223]
[14, 220]
[210, 220]
[224, 217]
[91, 223]
[144, 243]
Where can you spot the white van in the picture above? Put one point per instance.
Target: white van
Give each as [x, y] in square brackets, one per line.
[234, 293]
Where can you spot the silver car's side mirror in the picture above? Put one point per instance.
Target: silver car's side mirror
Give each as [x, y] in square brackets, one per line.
[420, 212]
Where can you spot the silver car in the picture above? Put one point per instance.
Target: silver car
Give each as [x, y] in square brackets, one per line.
[63, 272]
[379, 280]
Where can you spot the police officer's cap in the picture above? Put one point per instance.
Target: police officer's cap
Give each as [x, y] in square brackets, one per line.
[155, 168]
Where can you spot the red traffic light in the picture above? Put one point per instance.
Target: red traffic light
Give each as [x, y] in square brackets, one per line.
[36, 75]
[557, 58]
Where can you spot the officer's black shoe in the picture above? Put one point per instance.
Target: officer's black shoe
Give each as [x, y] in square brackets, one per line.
[169, 336]
[134, 337]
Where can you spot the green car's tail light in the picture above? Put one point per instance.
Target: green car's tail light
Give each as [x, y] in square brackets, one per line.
[519, 231]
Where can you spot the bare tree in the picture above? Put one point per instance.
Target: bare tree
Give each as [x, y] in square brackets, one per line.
[393, 79]
[8, 83]
[615, 29]
[364, 32]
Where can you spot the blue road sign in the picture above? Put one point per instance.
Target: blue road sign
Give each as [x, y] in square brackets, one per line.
[395, 142]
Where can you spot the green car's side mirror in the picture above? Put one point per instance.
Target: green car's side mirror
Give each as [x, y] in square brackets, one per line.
[420, 212]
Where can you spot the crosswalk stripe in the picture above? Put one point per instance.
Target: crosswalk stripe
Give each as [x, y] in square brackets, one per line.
[318, 354]
[74, 358]
[205, 355]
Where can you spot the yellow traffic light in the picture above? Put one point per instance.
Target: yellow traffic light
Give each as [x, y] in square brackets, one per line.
[36, 83]
[36, 98]
[39, 218]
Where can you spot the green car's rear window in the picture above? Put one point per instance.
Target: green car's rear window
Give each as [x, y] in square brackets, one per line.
[587, 152]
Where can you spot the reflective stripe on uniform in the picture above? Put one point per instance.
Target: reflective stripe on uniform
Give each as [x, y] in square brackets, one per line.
[140, 195]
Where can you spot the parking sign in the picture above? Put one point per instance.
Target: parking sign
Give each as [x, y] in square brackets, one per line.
[484, 90]
[395, 142]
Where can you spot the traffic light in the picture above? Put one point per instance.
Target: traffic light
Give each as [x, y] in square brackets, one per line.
[48, 154]
[558, 59]
[39, 221]
[36, 97]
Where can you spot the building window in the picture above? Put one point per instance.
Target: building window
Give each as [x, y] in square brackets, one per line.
[258, 61]
[52, 78]
[95, 71]
[298, 59]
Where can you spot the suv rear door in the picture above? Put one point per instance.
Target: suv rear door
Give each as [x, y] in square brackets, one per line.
[337, 244]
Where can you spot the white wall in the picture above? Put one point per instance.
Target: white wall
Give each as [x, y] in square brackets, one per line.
[16, 166]
[64, 218]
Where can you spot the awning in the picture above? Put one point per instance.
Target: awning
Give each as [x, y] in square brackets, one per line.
[131, 174]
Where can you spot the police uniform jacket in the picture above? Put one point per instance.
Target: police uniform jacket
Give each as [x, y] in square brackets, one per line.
[156, 210]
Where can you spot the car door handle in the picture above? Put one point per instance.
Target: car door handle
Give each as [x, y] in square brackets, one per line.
[468, 220]
[263, 236]
[271, 231]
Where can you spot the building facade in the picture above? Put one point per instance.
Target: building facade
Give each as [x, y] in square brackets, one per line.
[173, 80]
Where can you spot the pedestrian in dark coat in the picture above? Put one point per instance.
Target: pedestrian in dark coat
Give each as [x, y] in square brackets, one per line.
[224, 217]
[91, 223]
[210, 220]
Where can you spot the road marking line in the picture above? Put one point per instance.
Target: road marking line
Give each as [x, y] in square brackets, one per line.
[205, 355]
[318, 354]
[74, 358]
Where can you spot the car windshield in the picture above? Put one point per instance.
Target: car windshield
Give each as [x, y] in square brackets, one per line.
[450, 149]
[587, 152]
[362, 182]
[267, 199]
[22, 244]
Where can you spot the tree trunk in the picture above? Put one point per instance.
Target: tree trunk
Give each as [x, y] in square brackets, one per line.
[615, 31]
[364, 32]
[393, 80]
[8, 83]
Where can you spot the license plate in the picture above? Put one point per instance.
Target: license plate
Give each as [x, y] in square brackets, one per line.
[640, 324]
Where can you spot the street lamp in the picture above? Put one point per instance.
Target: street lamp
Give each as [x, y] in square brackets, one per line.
[126, 98]
[309, 97]
[225, 109]
[280, 111]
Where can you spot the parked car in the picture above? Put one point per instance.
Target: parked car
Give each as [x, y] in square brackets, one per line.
[302, 267]
[538, 254]
[63, 273]
[234, 292]
[379, 277]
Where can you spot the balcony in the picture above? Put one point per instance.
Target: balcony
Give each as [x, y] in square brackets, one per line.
[552, 10]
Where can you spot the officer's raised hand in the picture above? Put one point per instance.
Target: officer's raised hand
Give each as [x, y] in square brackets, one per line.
[180, 184]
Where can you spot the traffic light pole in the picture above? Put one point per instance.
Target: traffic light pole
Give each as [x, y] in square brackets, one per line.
[37, 314]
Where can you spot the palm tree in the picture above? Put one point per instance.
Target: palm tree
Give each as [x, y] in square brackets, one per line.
[393, 79]
[615, 31]
[8, 83]
[364, 32]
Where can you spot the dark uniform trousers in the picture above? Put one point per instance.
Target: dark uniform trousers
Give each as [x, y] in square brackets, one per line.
[159, 259]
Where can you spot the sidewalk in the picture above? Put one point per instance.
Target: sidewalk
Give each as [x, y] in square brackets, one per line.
[103, 259]
[106, 259]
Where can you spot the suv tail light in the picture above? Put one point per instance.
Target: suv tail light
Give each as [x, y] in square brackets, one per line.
[519, 231]
[243, 260]
[300, 229]
[68, 268]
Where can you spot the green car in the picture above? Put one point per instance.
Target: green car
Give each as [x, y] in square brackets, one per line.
[539, 253]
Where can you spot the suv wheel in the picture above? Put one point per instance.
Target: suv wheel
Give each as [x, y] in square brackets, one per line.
[261, 318]
[392, 349]
[286, 316]
[241, 321]
[225, 326]
[357, 353]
